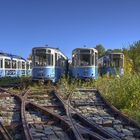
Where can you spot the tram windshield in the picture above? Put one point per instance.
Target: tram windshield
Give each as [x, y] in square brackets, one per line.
[43, 58]
[117, 60]
[85, 58]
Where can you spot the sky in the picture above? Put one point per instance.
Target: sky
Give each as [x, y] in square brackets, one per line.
[67, 24]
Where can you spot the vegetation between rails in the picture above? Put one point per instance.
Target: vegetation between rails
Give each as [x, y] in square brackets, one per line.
[123, 93]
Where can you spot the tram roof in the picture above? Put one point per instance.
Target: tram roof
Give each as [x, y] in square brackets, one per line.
[11, 55]
[85, 49]
[115, 53]
[47, 47]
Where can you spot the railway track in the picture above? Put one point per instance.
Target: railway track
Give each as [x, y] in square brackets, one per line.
[10, 115]
[44, 124]
[82, 127]
[94, 107]
[43, 114]
[39, 123]
[52, 102]
[47, 99]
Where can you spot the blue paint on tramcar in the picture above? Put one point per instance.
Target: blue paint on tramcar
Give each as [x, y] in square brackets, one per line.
[112, 64]
[12, 65]
[84, 64]
[48, 64]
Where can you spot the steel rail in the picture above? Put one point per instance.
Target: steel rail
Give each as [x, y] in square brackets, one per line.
[4, 132]
[56, 117]
[25, 128]
[93, 125]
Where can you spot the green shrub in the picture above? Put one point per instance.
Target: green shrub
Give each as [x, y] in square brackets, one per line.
[123, 93]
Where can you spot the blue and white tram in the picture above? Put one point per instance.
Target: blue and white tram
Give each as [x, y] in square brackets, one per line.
[48, 64]
[112, 63]
[84, 64]
[12, 65]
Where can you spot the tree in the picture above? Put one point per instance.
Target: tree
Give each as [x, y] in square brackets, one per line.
[108, 51]
[30, 57]
[128, 65]
[117, 51]
[101, 50]
[134, 54]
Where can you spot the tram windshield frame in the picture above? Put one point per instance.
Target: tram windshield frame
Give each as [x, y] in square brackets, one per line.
[116, 60]
[43, 57]
[85, 57]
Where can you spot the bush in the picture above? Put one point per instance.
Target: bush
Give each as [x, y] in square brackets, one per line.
[123, 93]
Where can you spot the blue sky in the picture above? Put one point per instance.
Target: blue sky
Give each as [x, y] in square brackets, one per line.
[67, 24]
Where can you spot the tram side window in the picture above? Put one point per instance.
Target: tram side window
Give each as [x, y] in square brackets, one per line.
[96, 59]
[23, 65]
[61, 61]
[92, 58]
[49, 59]
[30, 65]
[72, 61]
[7, 63]
[27, 65]
[1, 63]
[55, 59]
[75, 60]
[19, 65]
[14, 64]
[121, 62]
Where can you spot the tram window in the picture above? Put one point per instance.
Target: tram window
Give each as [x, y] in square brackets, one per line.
[75, 61]
[30, 65]
[72, 61]
[38, 52]
[19, 64]
[84, 59]
[41, 59]
[121, 62]
[27, 65]
[59, 61]
[49, 59]
[52, 59]
[92, 57]
[96, 59]
[1, 63]
[116, 62]
[48, 51]
[92, 60]
[55, 59]
[84, 51]
[14, 65]
[7, 63]
[23, 65]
